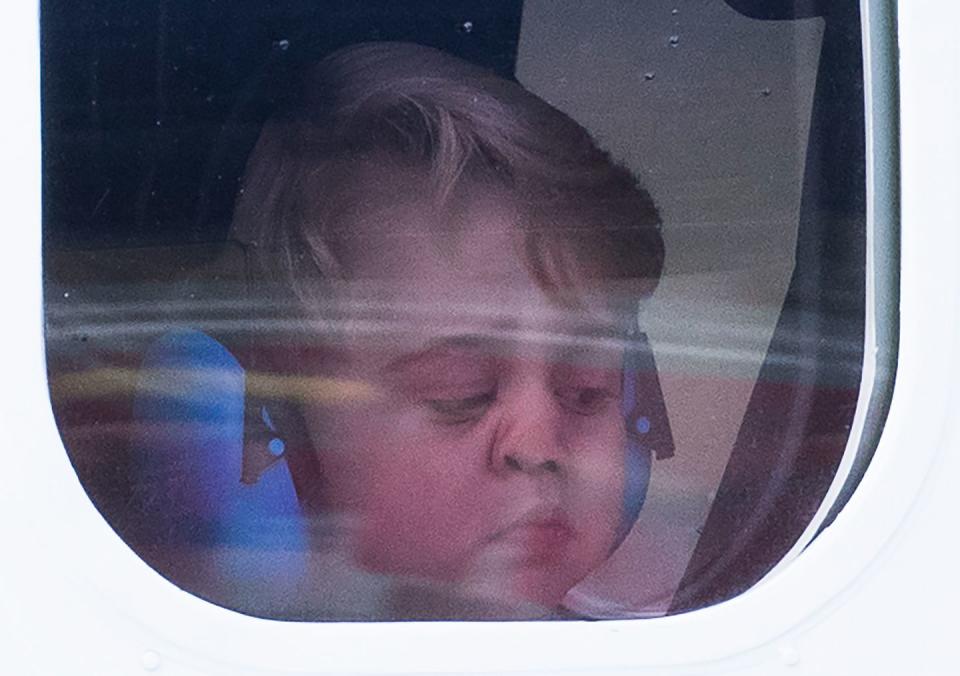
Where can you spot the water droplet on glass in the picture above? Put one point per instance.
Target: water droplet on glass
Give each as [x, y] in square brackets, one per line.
[150, 661]
[282, 45]
[467, 26]
[649, 76]
[675, 11]
[765, 91]
[789, 655]
[674, 40]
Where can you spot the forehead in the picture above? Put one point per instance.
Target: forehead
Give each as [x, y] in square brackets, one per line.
[454, 265]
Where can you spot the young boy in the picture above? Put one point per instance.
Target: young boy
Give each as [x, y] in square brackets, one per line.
[466, 266]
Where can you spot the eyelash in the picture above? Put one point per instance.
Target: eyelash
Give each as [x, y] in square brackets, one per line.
[460, 411]
[572, 399]
[470, 409]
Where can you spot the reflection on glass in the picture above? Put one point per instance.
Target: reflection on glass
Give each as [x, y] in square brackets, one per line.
[361, 332]
[462, 268]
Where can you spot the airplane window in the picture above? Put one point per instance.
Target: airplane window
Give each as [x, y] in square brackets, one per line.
[503, 310]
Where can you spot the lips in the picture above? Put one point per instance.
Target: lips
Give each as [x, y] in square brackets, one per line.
[540, 540]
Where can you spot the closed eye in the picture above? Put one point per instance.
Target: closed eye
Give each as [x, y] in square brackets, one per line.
[462, 410]
[584, 400]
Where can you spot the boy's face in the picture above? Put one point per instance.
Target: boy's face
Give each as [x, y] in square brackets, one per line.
[491, 458]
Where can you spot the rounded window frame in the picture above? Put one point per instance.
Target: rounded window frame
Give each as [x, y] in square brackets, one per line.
[227, 642]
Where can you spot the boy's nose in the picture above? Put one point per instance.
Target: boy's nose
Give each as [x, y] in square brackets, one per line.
[528, 438]
[520, 463]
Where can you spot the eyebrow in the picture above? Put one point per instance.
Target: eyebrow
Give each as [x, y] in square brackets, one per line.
[503, 333]
[435, 348]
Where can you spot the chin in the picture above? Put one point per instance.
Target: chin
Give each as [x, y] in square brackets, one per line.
[544, 588]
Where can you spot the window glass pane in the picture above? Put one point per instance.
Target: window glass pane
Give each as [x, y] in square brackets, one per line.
[536, 310]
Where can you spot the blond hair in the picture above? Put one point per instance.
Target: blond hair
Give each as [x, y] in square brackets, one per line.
[459, 125]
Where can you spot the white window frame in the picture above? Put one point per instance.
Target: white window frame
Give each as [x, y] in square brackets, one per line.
[74, 599]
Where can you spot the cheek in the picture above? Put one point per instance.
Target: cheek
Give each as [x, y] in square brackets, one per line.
[416, 495]
[599, 478]
[423, 498]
